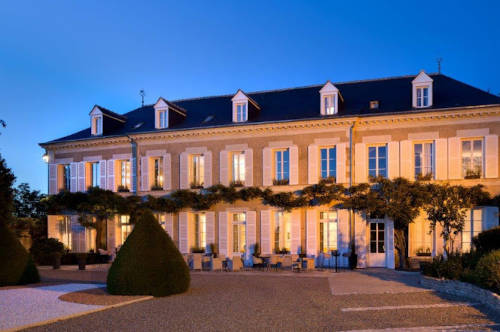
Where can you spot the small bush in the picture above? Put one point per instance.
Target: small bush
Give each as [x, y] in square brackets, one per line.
[488, 271]
[488, 240]
[148, 263]
[44, 249]
[16, 264]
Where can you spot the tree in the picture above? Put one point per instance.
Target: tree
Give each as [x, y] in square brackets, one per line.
[7, 179]
[399, 199]
[447, 206]
[29, 212]
[148, 263]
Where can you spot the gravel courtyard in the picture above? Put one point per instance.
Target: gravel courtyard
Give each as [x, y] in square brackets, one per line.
[274, 301]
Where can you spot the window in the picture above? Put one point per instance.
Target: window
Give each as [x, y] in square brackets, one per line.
[126, 227]
[374, 104]
[328, 231]
[377, 244]
[239, 232]
[163, 119]
[377, 161]
[64, 224]
[424, 159]
[281, 165]
[95, 173]
[473, 226]
[328, 162]
[125, 174]
[157, 173]
[282, 231]
[200, 230]
[197, 170]
[422, 96]
[241, 112]
[66, 177]
[329, 104]
[238, 168]
[161, 217]
[97, 125]
[472, 158]
[90, 239]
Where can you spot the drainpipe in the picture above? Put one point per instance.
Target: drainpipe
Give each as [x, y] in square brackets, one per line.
[133, 145]
[351, 158]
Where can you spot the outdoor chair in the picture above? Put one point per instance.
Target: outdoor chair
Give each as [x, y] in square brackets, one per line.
[196, 262]
[308, 264]
[275, 262]
[216, 264]
[258, 263]
[236, 264]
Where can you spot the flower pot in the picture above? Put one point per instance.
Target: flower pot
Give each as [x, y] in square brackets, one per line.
[56, 260]
[82, 261]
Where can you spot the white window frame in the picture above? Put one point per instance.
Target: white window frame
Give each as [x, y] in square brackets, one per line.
[95, 174]
[200, 230]
[65, 235]
[162, 119]
[380, 227]
[329, 104]
[328, 219]
[328, 158]
[125, 173]
[472, 155]
[97, 125]
[238, 166]
[239, 229]
[423, 99]
[279, 174]
[196, 169]
[377, 158]
[282, 231]
[423, 159]
[241, 112]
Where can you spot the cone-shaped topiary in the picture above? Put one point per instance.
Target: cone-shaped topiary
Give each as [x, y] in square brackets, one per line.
[148, 263]
[16, 264]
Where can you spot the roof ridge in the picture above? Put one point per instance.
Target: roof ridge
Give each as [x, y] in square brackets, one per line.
[302, 87]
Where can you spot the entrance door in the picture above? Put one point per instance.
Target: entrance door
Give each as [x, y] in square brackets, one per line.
[377, 248]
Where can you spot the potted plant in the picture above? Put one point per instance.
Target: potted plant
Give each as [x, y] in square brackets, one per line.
[236, 184]
[156, 188]
[423, 253]
[196, 185]
[353, 257]
[197, 250]
[282, 182]
[123, 189]
[82, 260]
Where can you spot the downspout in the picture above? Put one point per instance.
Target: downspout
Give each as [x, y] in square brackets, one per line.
[133, 145]
[351, 213]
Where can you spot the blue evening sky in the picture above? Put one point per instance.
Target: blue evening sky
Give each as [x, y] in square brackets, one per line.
[59, 58]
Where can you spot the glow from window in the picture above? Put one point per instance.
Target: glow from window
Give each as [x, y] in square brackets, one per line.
[157, 172]
[328, 226]
[125, 173]
[238, 167]
[424, 158]
[472, 158]
[197, 169]
[200, 230]
[282, 231]
[65, 236]
[329, 104]
[239, 232]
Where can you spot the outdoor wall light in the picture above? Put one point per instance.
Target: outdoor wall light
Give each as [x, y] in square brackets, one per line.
[45, 157]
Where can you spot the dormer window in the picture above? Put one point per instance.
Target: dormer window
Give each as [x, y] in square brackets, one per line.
[241, 112]
[97, 125]
[329, 95]
[163, 119]
[422, 90]
[167, 114]
[244, 107]
[329, 102]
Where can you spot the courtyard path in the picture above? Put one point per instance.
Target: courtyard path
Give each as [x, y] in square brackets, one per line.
[367, 300]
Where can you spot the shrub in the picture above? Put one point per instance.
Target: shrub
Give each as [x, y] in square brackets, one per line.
[148, 263]
[16, 264]
[488, 240]
[488, 271]
[44, 249]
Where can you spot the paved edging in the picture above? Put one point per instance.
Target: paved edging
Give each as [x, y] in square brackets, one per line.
[464, 289]
[83, 313]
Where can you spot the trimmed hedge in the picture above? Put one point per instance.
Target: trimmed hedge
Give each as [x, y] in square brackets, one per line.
[43, 250]
[488, 240]
[148, 263]
[488, 271]
[16, 264]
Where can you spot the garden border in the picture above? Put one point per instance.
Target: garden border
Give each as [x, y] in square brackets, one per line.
[459, 288]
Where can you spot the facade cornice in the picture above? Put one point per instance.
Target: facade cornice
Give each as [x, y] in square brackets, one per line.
[364, 122]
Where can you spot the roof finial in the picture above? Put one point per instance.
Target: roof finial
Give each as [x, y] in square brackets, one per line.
[142, 94]
[439, 60]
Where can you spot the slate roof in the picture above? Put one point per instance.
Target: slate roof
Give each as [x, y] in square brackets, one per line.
[394, 96]
[112, 114]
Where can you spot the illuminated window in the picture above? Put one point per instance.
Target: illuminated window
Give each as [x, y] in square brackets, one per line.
[377, 161]
[64, 228]
[329, 104]
[424, 158]
[328, 162]
[282, 231]
[472, 158]
[200, 230]
[328, 231]
[197, 170]
[157, 172]
[125, 173]
[126, 227]
[238, 168]
[239, 230]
